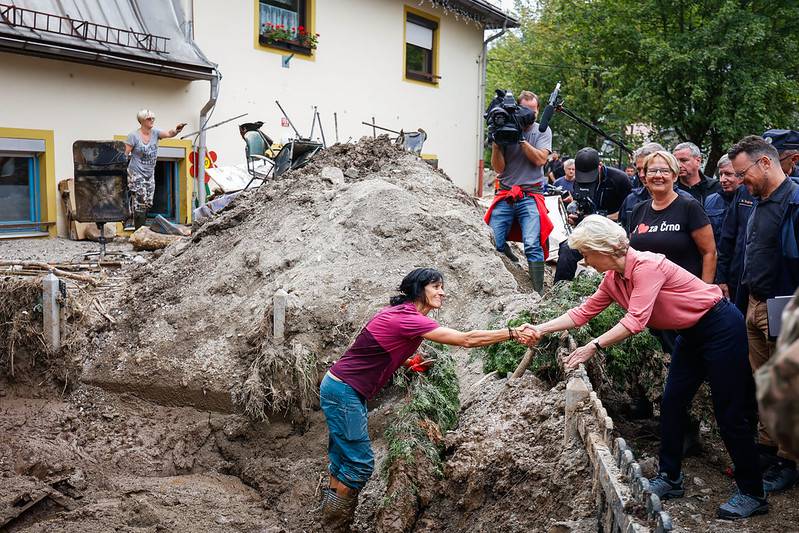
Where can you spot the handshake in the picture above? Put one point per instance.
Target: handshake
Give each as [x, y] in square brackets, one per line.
[526, 334]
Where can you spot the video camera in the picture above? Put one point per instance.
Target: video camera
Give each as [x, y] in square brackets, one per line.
[583, 205]
[506, 119]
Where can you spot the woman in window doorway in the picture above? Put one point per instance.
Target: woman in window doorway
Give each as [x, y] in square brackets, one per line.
[142, 148]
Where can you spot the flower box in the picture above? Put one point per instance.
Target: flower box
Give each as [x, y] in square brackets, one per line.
[291, 39]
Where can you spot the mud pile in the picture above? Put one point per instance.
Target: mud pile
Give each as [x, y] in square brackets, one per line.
[508, 468]
[337, 236]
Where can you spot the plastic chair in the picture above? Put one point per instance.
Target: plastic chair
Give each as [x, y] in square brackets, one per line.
[258, 152]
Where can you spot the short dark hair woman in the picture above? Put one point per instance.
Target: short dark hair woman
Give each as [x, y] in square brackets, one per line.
[711, 345]
[387, 341]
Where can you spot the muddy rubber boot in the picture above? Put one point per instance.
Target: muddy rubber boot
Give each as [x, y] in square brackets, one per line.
[536, 271]
[508, 251]
[338, 509]
[139, 218]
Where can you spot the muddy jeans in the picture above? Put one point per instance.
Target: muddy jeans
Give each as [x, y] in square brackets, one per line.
[349, 449]
[761, 349]
[713, 349]
[141, 190]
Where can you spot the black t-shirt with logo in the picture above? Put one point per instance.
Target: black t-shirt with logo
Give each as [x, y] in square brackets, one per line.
[668, 231]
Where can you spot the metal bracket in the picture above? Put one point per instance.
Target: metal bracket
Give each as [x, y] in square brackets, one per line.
[285, 60]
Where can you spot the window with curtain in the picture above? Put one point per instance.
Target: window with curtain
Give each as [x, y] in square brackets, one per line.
[285, 24]
[420, 48]
[284, 13]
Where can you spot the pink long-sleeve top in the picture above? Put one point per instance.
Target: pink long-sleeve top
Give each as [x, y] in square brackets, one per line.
[654, 291]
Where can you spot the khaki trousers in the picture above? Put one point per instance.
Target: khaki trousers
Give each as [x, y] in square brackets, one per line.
[760, 351]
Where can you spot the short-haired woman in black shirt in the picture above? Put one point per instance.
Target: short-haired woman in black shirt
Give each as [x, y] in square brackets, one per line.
[671, 224]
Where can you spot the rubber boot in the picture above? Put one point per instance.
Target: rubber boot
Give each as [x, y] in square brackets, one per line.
[508, 251]
[536, 271]
[338, 508]
[139, 218]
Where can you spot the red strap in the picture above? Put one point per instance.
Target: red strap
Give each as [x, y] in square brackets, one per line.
[515, 232]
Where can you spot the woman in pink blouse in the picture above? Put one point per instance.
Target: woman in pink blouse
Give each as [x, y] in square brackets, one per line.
[711, 346]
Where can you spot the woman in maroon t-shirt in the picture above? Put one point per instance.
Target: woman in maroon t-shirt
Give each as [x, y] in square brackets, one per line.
[387, 342]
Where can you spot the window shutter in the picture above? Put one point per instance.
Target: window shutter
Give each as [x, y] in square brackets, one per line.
[419, 36]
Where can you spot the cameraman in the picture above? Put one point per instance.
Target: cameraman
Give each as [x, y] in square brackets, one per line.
[598, 189]
[519, 200]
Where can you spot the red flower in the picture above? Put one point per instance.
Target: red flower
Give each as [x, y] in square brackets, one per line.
[302, 28]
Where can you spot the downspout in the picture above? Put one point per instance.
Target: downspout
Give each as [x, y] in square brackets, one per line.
[480, 147]
[201, 141]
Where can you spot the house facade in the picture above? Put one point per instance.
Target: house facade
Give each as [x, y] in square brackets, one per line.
[404, 64]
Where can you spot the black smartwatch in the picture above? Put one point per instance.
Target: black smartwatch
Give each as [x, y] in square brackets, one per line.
[598, 346]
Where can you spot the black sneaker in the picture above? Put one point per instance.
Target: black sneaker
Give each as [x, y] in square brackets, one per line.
[742, 506]
[665, 488]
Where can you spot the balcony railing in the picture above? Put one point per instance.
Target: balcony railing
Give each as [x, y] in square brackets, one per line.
[82, 29]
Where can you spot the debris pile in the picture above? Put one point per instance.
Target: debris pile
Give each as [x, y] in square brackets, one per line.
[337, 236]
[508, 468]
[195, 340]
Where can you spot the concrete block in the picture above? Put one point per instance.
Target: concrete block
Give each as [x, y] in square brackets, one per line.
[279, 303]
[52, 312]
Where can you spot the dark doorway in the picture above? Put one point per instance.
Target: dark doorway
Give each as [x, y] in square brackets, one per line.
[167, 190]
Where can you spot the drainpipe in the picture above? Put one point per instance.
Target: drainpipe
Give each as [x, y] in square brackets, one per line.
[201, 141]
[482, 104]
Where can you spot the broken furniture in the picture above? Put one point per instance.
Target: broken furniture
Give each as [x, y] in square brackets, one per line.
[101, 187]
[295, 154]
[410, 141]
[257, 150]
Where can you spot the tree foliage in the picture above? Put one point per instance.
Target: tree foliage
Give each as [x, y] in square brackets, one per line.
[706, 71]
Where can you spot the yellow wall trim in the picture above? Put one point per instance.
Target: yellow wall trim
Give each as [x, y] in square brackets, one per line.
[48, 191]
[408, 9]
[310, 26]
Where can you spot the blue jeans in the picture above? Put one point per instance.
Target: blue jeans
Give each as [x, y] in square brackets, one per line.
[714, 349]
[526, 212]
[349, 449]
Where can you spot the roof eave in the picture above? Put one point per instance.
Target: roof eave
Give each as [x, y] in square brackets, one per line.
[492, 17]
[105, 59]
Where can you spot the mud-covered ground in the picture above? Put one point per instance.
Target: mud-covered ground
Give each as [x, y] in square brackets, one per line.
[119, 463]
[707, 485]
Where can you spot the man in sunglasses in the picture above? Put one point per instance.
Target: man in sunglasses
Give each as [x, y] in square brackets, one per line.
[771, 268]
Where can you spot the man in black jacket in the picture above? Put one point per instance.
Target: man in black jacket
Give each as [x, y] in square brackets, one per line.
[690, 179]
[771, 268]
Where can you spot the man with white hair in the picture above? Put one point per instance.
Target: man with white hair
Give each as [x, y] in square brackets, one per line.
[690, 178]
[717, 204]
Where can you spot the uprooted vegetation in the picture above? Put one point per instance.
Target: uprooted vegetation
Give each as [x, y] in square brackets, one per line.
[24, 356]
[622, 373]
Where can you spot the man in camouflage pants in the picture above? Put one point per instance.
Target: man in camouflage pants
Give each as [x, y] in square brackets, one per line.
[778, 383]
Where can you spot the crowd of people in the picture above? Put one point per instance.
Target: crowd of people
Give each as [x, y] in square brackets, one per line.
[734, 237]
[695, 259]
[692, 258]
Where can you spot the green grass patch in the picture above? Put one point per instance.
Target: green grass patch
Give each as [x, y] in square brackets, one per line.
[432, 404]
[622, 359]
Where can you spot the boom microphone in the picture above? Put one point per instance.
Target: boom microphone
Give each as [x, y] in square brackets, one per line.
[549, 110]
